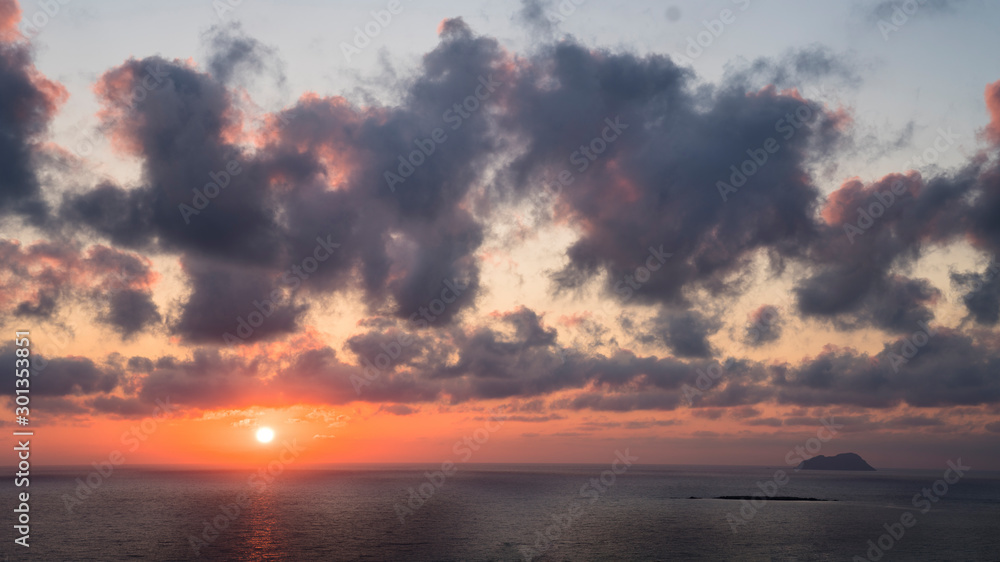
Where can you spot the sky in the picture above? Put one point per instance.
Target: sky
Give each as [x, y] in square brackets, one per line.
[516, 232]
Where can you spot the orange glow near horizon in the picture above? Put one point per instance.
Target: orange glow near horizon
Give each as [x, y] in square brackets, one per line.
[226, 439]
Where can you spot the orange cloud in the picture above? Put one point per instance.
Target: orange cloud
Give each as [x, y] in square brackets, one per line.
[993, 104]
[841, 206]
[10, 15]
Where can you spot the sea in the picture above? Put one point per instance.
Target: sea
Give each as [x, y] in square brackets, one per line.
[506, 512]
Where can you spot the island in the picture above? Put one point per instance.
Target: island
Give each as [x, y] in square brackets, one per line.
[843, 461]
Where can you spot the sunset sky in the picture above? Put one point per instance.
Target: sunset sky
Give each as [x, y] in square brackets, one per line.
[375, 243]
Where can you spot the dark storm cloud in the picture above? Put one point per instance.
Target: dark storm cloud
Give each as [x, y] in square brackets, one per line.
[871, 230]
[224, 297]
[121, 407]
[369, 345]
[27, 104]
[207, 380]
[178, 128]
[858, 249]
[982, 298]
[902, 305]
[648, 190]
[519, 358]
[516, 358]
[119, 215]
[44, 275]
[951, 369]
[948, 369]
[852, 261]
[43, 307]
[655, 184]
[686, 332]
[894, 304]
[140, 365]
[64, 376]
[322, 168]
[130, 311]
[654, 159]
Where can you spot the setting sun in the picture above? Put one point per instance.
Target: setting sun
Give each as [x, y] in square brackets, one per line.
[265, 435]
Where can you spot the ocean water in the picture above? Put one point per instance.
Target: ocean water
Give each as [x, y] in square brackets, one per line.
[496, 512]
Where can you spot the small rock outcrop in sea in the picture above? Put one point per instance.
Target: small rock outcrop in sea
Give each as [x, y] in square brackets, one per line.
[843, 461]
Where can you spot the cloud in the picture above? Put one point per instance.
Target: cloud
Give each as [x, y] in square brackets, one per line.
[121, 407]
[235, 55]
[764, 325]
[982, 298]
[43, 276]
[66, 376]
[28, 101]
[10, 14]
[686, 332]
[207, 380]
[886, 8]
[658, 162]
[647, 188]
[993, 105]
[312, 166]
[950, 370]
[398, 409]
[223, 295]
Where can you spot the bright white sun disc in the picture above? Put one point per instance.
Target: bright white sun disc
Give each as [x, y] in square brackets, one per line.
[265, 434]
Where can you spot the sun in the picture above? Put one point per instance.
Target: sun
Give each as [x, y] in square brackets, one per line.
[265, 435]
